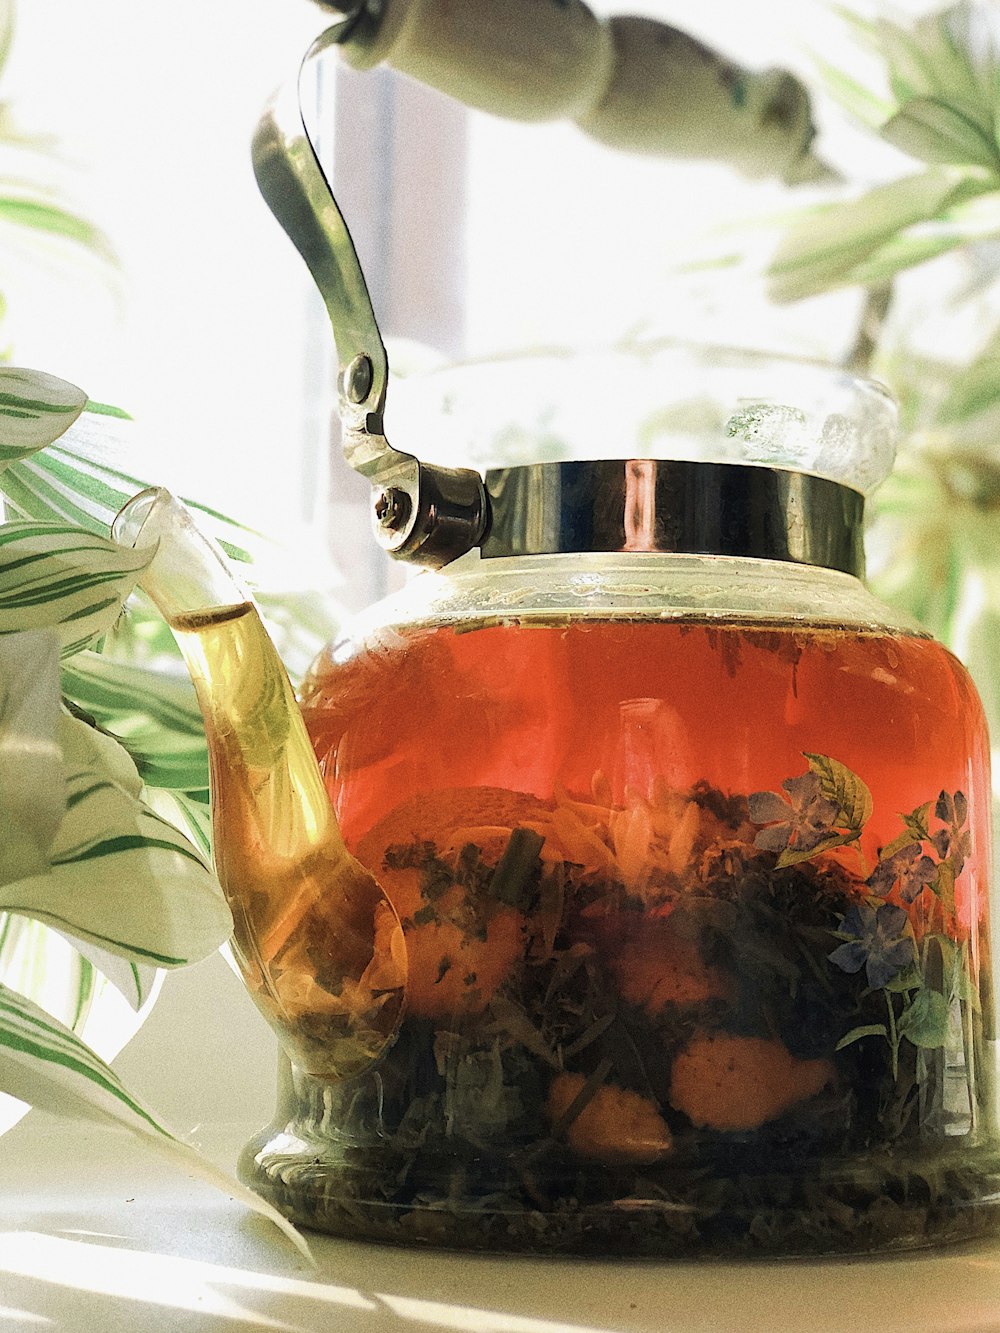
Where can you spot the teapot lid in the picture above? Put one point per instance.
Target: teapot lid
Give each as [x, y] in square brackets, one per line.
[740, 496]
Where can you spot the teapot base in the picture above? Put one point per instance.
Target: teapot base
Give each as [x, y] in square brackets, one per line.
[878, 1203]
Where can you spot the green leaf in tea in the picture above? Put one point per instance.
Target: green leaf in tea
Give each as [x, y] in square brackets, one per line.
[925, 1019]
[844, 788]
[796, 856]
[514, 880]
[856, 1034]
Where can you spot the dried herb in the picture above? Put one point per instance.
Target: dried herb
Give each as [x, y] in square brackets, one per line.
[514, 881]
[780, 956]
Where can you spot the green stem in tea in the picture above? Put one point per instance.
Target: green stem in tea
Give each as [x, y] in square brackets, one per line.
[968, 1043]
[581, 1099]
[934, 979]
[893, 1036]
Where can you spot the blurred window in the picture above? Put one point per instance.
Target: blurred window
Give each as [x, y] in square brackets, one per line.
[477, 236]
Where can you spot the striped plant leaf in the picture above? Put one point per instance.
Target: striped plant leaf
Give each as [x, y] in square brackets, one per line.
[189, 809]
[142, 635]
[902, 252]
[174, 763]
[44, 1063]
[32, 787]
[35, 410]
[136, 981]
[48, 969]
[860, 101]
[26, 208]
[120, 874]
[827, 249]
[89, 475]
[64, 975]
[114, 692]
[966, 223]
[953, 54]
[935, 130]
[54, 576]
[151, 710]
[43, 966]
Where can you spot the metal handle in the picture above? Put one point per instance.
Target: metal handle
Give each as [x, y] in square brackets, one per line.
[423, 513]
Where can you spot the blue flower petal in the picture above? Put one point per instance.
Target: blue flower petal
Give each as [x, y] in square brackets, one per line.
[884, 964]
[850, 957]
[922, 874]
[773, 839]
[859, 921]
[891, 921]
[802, 790]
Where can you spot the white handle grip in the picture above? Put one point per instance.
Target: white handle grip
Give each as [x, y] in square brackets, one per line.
[631, 83]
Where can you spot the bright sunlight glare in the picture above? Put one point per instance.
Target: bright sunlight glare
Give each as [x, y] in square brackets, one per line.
[172, 1282]
[160, 1279]
[11, 1318]
[470, 1319]
[210, 334]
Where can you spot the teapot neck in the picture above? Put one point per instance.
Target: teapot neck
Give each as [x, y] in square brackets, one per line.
[678, 506]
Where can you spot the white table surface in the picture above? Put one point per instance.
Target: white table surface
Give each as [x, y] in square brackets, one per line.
[99, 1235]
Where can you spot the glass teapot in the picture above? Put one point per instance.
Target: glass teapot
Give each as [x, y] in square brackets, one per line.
[621, 886]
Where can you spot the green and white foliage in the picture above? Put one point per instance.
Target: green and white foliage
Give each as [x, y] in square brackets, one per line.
[86, 478]
[118, 873]
[83, 851]
[32, 790]
[53, 576]
[35, 409]
[91, 843]
[42, 1061]
[940, 107]
[924, 245]
[88, 475]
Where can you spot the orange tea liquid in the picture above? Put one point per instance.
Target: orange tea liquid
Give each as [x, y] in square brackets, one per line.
[537, 707]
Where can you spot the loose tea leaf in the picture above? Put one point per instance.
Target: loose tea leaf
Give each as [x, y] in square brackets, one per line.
[512, 880]
[866, 1030]
[844, 788]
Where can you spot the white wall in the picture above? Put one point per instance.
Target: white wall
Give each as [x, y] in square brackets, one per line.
[204, 341]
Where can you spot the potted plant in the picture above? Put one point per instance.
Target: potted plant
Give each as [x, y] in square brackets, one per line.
[86, 844]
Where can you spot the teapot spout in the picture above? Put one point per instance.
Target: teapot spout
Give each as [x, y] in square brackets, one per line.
[319, 944]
